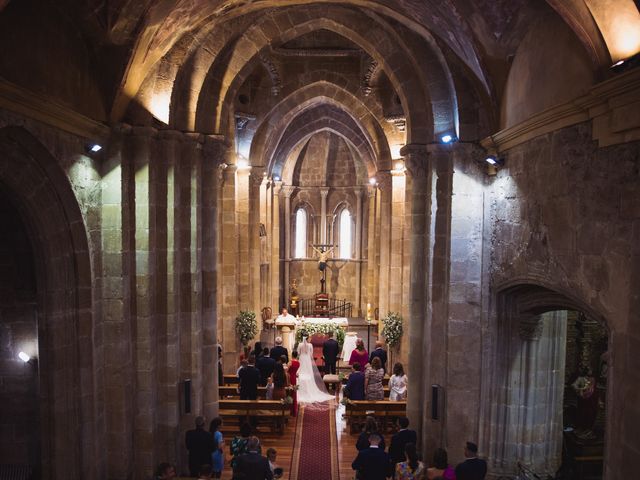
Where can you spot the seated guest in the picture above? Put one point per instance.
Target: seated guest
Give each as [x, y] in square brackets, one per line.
[412, 468]
[239, 444]
[372, 463]
[398, 384]
[252, 465]
[373, 375]
[359, 355]
[441, 467]
[370, 428]
[354, 390]
[265, 365]
[473, 468]
[400, 440]
[165, 471]
[381, 354]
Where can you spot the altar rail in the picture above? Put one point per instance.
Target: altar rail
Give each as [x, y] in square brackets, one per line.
[337, 308]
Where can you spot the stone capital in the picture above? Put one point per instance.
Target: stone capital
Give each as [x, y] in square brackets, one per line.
[324, 191]
[256, 177]
[383, 179]
[416, 160]
[287, 190]
[358, 193]
[143, 132]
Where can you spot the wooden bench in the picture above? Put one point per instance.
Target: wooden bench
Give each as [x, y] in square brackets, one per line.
[274, 411]
[230, 379]
[385, 411]
[231, 391]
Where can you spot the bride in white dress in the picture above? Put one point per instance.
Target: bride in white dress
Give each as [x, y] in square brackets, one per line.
[311, 388]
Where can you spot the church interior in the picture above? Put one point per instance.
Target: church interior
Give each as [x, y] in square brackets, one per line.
[467, 168]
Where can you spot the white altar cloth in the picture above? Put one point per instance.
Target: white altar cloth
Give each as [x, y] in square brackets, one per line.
[337, 321]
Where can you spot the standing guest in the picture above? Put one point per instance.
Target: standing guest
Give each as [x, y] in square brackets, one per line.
[370, 428]
[473, 468]
[249, 380]
[412, 468]
[252, 465]
[220, 374]
[271, 456]
[294, 365]
[199, 443]
[400, 440]
[217, 457]
[330, 354]
[239, 444]
[398, 384]
[265, 365]
[354, 390]
[243, 363]
[269, 393]
[257, 350]
[373, 376]
[279, 379]
[165, 471]
[279, 350]
[381, 354]
[441, 467]
[372, 463]
[359, 355]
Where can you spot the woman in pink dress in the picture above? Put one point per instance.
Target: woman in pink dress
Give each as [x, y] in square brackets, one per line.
[359, 355]
[294, 365]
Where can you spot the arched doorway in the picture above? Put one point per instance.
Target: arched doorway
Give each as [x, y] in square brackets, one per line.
[49, 216]
[548, 400]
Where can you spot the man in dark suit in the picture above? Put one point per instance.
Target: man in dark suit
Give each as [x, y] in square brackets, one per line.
[199, 443]
[372, 463]
[473, 468]
[399, 440]
[249, 380]
[381, 354]
[354, 389]
[330, 354]
[265, 366]
[279, 350]
[252, 465]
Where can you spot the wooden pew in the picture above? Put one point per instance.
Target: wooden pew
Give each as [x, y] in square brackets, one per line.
[274, 411]
[231, 391]
[384, 411]
[230, 379]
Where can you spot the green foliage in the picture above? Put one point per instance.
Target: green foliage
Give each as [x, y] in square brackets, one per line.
[392, 329]
[246, 326]
[310, 329]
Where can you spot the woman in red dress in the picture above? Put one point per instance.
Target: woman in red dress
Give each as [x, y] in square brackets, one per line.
[294, 365]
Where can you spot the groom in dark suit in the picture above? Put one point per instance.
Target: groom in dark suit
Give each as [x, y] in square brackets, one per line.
[330, 354]
[372, 463]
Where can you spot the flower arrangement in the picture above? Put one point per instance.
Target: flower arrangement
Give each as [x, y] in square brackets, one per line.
[246, 326]
[392, 329]
[288, 400]
[310, 329]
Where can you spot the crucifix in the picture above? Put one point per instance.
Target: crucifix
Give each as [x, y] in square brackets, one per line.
[323, 249]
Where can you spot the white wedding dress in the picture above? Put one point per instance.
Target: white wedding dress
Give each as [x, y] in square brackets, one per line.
[311, 388]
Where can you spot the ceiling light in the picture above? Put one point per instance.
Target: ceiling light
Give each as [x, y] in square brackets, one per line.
[447, 138]
[24, 357]
[96, 148]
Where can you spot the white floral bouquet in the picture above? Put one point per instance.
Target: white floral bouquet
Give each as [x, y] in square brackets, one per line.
[309, 329]
[392, 329]
[246, 326]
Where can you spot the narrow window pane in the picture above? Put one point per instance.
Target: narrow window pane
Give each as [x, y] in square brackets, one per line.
[301, 234]
[345, 234]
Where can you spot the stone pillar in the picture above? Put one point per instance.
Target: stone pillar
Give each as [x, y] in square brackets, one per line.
[243, 235]
[418, 166]
[255, 181]
[373, 246]
[276, 234]
[358, 193]
[323, 215]
[396, 231]
[287, 191]
[384, 190]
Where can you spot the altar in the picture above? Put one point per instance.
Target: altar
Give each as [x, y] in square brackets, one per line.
[287, 327]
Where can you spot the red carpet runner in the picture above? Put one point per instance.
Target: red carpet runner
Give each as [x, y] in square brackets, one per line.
[315, 454]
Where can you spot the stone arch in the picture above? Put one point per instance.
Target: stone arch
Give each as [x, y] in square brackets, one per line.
[272, 127]
[379, 42]
[47, 204]
[520, 333]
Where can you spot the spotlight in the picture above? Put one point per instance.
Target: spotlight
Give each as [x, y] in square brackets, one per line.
[93, 148]
[491, 160]
[447, 138]
[24, 357]
[626, 64]
[372, 181]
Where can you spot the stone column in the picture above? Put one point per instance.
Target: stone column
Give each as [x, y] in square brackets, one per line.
[323, 214]
[358, 193]
[384, 190]
[373, 247]
[255, 181]
[287, 191]
[243, 234]
[419, 167]
[276, 235]
[396, 232]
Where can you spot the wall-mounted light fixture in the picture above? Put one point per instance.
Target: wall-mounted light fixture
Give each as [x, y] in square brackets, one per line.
[448, 138]
[26, 358]
[372, 181]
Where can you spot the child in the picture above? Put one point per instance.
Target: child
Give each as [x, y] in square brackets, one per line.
[270, 388]
[271, 456]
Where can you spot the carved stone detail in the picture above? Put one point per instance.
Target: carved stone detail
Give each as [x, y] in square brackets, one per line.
[274, 74]
[368, 76]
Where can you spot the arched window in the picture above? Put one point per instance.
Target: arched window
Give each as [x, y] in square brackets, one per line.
[345, 234]
[301, 234]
